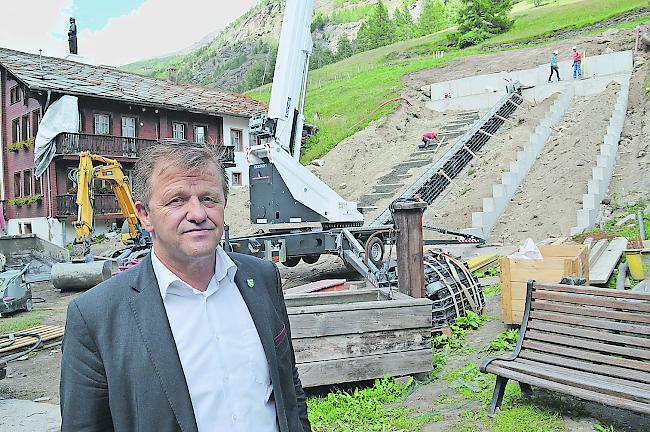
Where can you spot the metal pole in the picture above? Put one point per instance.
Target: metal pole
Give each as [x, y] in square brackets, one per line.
[641, 224]
[409, 246]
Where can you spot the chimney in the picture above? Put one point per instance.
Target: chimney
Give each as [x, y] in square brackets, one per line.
[171, 74]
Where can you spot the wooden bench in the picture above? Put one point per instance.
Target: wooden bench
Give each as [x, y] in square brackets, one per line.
[591, 343]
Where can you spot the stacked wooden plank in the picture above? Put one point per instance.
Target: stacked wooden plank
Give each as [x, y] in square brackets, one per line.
[45, 332]
[347, 336]
[604, 256]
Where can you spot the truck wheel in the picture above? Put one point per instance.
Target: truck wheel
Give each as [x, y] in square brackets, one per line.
[291, 262]
[376, 251]
[311, 259]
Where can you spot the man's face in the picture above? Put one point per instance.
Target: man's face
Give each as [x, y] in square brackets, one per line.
[185, 213]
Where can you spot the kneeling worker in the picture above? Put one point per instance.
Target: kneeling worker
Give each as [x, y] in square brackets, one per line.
[428, 138]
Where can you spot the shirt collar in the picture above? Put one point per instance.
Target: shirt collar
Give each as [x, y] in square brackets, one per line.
[224, 266]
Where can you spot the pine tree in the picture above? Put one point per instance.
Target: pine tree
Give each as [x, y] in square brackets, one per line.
[404, 27]
[432, 17]
[344, 48]
[480, 19]
[377, 31]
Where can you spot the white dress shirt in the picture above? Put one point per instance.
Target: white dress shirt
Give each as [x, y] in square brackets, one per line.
[220, 351]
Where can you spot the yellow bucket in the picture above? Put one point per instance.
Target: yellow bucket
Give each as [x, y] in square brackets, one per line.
[638, 261]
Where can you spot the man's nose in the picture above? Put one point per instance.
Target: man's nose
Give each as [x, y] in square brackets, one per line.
[195, 211]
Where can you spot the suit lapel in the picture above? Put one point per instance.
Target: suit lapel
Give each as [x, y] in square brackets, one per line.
[260, 307]
[151, 318]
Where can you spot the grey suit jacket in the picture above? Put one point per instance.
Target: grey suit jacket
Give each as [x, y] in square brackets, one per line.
[120, 369]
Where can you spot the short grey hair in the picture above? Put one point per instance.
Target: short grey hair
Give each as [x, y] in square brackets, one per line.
[178, 153]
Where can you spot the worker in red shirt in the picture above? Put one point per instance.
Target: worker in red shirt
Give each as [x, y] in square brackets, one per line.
[428, 138]
[577, 63]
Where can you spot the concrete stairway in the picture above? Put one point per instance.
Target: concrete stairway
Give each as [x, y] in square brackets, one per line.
[483, 222]
[440, 174]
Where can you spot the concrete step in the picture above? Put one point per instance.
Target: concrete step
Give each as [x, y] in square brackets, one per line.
[366, 209]
[388, 187]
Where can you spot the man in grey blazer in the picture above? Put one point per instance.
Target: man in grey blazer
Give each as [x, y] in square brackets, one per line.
[191, 339]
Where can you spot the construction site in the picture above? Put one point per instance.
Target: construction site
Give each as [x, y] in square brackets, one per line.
[524, 223]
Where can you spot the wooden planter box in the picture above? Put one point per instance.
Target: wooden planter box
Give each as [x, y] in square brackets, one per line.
[347, 336]
[559, 261]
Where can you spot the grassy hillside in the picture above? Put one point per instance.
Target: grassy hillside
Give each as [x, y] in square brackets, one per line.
[343, 94]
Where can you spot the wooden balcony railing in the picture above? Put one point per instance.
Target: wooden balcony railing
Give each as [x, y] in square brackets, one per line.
[114, 146]
[105, 145]
[66, 205]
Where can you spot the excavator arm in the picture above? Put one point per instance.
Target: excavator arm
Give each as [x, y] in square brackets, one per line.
[110, 171]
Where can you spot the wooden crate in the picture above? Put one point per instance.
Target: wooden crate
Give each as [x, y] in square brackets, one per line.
[356, 335]
[559, 261]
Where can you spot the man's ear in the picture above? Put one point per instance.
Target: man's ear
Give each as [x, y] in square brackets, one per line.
[143, 215]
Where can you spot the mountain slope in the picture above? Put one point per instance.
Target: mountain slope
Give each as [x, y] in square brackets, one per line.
[249, 43]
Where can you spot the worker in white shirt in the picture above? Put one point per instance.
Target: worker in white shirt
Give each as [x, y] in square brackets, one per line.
[191, 339]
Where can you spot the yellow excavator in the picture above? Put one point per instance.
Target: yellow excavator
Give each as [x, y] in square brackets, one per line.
[133, 234]
[81, 276]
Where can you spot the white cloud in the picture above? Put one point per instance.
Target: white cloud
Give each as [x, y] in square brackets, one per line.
[158, 27]
[38, 25]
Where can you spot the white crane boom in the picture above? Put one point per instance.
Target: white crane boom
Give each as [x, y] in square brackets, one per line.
[282, 190]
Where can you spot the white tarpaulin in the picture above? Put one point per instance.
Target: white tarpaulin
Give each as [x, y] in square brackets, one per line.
[61, 116]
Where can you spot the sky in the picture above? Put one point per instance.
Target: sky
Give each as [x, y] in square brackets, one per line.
[114, 32]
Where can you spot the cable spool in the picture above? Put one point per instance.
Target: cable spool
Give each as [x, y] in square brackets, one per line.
[451, 287]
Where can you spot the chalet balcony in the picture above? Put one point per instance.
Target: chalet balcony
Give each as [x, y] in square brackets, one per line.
[105, 204]
[105, 145]
[114, 146]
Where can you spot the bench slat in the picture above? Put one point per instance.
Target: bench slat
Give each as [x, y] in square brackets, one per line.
[581, 289]
[580, 299]
[574, 380]
[614, 371]
[589, 322]
[581, 354]
[589, 334]
[624, 383]
[572, 391]
[634, 353]
[591, 311]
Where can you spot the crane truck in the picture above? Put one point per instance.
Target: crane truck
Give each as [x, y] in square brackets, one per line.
[303, 216]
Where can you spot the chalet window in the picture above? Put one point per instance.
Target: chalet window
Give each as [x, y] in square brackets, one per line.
[36, 119]
[15, 130]
[26, 129]
[38, 186]
[178, 130]
[253, 140]
[102, 124]
[27, 183]
[236, 179]
[236, 139]
[16, 94]
[17, 184]
[199, 134]
[128, 127]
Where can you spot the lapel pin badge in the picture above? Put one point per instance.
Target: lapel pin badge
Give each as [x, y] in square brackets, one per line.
[250, 283]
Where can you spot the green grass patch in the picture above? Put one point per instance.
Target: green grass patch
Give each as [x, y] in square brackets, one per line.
[471, 383]
[21, 321]
[506, 341]
[646, 85]
[629, 230]
[365, 410]
[528, 418]
[561, 15]
[492, 290]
